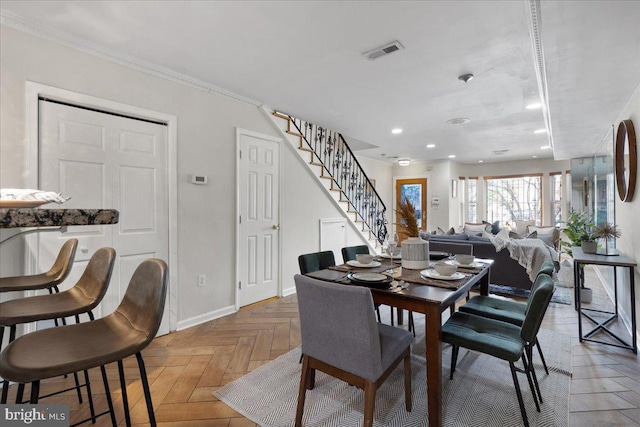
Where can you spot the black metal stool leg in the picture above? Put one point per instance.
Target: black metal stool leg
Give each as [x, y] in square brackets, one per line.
[125, 399]
[12, 333]
[20, 393]
[5, 392]
[35, 391]
[147, 392]
[91, 408]
[105, 380]
[77, 381]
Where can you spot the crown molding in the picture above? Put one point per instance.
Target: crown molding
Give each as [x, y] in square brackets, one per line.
[42, 31]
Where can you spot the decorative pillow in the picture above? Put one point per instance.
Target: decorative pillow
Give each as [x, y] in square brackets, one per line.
[449, 231]
[546, 234]
[470, 228]
[532, 235]
[456, 236]
[521, 226]
[495, 227]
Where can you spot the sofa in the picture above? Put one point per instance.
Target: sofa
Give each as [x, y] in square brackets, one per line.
[504, 271]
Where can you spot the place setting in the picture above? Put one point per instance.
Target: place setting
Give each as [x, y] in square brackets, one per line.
[364, 263]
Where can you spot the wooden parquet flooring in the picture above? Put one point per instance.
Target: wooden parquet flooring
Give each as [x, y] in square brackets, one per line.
[185, 367]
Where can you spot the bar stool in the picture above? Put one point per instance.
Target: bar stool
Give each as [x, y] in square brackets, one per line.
[48, 280]
[82, 298]
[73, 348]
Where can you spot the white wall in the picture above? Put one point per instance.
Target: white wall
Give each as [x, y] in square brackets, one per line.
[627, 219]
[206, 145]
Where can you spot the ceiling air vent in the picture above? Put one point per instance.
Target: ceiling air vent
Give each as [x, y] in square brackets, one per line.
[383, 50]
[500, 152]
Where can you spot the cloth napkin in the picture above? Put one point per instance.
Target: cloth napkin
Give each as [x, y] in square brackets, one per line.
[29, 194]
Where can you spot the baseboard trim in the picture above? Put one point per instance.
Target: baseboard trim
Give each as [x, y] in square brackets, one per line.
[202, 318]
[288, 291]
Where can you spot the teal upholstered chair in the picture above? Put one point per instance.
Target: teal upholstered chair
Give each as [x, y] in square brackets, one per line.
[349, 253]
[503, 340]
[316, 261]
[506, 311]
[340, 337]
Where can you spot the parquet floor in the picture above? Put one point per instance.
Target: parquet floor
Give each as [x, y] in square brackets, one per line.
[185, 367]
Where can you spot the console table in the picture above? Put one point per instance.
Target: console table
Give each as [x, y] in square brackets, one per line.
[580, 259]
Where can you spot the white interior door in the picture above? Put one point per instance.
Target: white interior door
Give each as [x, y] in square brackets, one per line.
[258, 236]
[106, 161]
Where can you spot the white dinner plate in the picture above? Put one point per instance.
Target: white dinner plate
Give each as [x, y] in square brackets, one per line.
[369, 277]
[359, 264]
[457, 264]
[432, 274]
[397, 256]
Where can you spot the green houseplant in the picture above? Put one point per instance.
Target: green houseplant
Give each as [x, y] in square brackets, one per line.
[578, 230]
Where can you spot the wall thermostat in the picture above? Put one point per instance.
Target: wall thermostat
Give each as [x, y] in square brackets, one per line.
[198, 179]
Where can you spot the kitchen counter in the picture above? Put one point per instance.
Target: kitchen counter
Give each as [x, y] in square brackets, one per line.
[36, 217]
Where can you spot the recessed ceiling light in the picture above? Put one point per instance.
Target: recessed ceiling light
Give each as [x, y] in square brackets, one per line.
[533, 106]
[404, 162]
[396, 131]
[545, 147]
[540, 131]
[452, 156]
[458, 121]
[431, 145]
[480, 161]
[535, 157]
[466, 77]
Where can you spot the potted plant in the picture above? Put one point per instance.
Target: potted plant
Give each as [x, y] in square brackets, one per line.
[605, 231]
[578, 231]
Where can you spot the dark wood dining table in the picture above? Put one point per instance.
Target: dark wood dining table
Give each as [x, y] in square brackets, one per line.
[429, 298]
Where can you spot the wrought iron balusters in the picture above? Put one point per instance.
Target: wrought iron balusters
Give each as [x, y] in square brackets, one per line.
[338, 161]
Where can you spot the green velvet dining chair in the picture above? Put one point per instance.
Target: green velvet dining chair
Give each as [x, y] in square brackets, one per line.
[316, 261]
[504, 310]
[504, 340]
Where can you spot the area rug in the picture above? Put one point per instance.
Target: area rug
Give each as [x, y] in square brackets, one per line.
[561, 295]
[481, 393]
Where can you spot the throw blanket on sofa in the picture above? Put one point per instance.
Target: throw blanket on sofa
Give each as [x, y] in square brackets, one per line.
[530, 253]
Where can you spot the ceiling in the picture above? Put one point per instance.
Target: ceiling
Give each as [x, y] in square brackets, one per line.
[305, 58]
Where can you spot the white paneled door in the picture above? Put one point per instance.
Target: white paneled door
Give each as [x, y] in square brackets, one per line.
[106, 161]
[258, 237]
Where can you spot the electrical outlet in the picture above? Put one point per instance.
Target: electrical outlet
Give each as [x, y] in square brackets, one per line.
[202, 280]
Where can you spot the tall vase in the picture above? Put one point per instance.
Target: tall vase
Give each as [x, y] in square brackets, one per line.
[415, 253]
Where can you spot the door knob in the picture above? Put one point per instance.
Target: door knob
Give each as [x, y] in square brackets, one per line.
[276, 226]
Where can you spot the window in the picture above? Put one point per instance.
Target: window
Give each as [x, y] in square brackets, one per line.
[511, 198]
[555, 190]
[472, 197]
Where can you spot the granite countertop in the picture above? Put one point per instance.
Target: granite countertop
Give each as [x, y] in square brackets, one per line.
[35, 217]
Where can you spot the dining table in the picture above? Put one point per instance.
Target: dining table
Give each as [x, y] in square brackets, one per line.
[413, 290]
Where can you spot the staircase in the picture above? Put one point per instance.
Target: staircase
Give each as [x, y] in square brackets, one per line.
[331, 160]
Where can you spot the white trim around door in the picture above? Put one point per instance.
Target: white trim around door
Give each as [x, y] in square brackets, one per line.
[36, 90]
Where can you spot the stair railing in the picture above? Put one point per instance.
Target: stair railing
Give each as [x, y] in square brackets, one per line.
[339, 162]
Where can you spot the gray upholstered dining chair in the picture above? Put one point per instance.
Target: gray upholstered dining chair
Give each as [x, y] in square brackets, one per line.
[505, 310]
[340, 337]
[503, 340]
[67, 349]
[349, 254]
